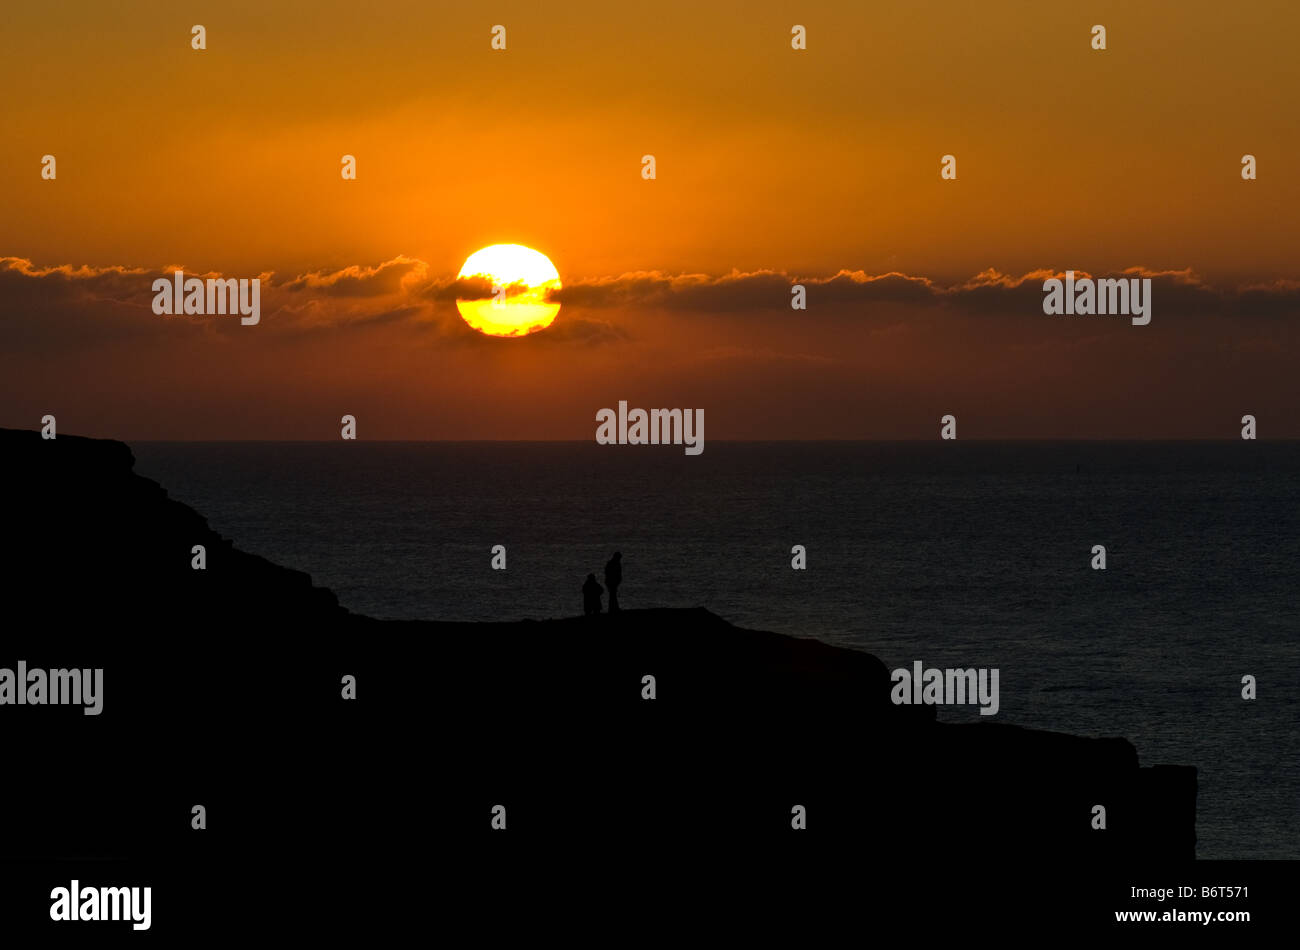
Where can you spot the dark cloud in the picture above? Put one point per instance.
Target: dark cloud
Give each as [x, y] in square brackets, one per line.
[359, 280]
[68, 306]
[743, 292]
[1174, 292]
[465, 288]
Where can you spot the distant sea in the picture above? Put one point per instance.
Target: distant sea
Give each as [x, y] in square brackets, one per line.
[956, 554]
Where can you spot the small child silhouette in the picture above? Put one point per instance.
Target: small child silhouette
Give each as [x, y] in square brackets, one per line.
[614, 577]
[591, 592]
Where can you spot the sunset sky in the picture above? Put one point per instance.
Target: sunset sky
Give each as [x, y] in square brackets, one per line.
[774, 166]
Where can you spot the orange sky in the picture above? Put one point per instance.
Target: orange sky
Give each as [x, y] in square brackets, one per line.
[803, 163]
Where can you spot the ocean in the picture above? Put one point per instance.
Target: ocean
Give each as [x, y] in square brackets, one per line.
[957, 554]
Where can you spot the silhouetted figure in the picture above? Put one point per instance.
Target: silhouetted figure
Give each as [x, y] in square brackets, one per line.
[614, 577]
[591, 592]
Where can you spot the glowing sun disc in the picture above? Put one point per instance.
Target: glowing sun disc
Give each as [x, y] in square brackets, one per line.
[521, 278]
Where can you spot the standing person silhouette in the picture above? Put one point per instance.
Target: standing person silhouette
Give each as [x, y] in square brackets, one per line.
[614, 577]
[591, 592]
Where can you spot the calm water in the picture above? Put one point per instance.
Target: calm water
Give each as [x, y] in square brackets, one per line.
[957, 554]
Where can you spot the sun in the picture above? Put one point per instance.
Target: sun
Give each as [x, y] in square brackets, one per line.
[521, 278]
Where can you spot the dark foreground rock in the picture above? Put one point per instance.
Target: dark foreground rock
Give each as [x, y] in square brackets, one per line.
[222, 687]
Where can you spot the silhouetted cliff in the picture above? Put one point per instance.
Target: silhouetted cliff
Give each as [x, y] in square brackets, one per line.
[222, 686]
